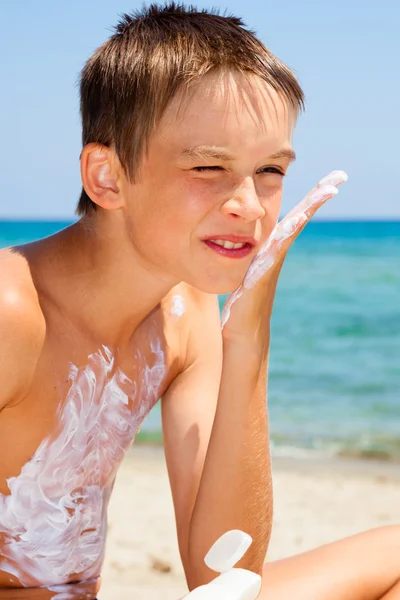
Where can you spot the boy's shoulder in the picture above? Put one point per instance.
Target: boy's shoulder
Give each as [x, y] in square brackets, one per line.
[22, 325]
[187, 302]
[193, 316]
[16, 284]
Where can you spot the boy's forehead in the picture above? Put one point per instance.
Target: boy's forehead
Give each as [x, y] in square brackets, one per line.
[222, 104]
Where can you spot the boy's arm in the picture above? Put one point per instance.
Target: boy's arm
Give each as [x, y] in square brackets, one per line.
[233, 488]
[216, 446]
[22, 331]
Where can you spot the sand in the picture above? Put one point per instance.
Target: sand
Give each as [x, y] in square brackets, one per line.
[316, 501]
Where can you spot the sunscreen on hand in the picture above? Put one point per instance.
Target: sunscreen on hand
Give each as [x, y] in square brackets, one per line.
[232, 584]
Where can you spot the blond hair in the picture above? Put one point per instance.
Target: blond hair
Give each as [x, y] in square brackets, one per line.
[127, 84]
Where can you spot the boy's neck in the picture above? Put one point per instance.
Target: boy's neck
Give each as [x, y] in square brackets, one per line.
[93, 275]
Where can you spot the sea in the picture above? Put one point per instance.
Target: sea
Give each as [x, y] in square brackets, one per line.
[334, 368]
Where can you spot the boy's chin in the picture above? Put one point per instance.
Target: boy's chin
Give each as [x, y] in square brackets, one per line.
[216, 287]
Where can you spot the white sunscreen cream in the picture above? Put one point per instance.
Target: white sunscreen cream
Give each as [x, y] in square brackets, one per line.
[290, 224]
[55, 518]
[232, 583]
[178, 306]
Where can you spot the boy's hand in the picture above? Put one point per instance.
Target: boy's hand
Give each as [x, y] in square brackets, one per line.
[247, 311]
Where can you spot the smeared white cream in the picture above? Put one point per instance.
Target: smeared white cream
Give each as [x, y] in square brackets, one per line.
[178, 306]
[71, 592]
[289, 226]
[54, 520]
[226, 312]
[334, 178]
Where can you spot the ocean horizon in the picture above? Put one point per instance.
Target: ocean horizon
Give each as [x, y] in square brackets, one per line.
[334, 368]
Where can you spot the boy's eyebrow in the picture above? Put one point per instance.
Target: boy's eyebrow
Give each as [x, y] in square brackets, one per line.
[285, 153]
[207, 152]
[204, 152]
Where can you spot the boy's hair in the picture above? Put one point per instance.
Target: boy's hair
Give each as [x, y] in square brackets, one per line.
[127, 84]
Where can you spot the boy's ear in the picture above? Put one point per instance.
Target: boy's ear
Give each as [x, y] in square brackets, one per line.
[100, 171]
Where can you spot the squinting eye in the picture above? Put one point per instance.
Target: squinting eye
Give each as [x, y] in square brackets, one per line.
[273, 170]
[200, 169]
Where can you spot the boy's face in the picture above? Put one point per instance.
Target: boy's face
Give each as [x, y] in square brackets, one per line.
[242, 134]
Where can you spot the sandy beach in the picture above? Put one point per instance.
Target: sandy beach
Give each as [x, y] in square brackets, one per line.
[316, 501]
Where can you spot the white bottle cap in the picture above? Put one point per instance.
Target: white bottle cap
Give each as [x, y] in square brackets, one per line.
[232, 584]
[228, 550]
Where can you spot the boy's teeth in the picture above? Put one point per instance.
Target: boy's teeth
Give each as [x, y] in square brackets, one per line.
[228, 245]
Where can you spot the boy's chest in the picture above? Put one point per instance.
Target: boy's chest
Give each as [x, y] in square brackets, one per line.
[81, 415]
[61, 446]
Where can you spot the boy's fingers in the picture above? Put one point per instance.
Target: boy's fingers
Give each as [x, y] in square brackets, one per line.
[291, 225]
[288, 229]
[297, 218]
[334, 179]
[285, 233]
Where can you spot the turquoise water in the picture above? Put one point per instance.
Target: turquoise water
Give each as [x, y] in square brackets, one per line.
[334, 382]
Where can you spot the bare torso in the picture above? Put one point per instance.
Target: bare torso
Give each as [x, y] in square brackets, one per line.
[62, 443]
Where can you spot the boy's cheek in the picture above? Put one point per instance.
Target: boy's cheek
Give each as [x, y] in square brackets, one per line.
[272, 205]
[269, 222]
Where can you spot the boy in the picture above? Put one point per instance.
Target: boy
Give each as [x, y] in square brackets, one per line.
[187, 125]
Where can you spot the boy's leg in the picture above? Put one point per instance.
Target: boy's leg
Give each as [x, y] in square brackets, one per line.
[361, 567]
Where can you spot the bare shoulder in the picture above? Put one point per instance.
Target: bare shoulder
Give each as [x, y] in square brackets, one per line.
[193, 305]
[22, 327]
[199, 318]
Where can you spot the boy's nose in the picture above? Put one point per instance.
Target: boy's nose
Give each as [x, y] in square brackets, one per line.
[244, 202]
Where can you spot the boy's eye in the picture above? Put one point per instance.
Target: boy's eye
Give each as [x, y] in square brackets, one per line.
[212, 168]
[273, 170]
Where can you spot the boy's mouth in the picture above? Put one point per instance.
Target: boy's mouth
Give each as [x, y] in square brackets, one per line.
[231, 246]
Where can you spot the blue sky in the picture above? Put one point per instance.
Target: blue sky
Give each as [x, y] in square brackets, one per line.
[345, 54]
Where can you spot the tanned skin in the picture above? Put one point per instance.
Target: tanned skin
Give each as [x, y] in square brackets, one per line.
[93, 305]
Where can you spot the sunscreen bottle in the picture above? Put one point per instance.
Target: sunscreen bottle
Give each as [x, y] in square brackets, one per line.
[232, 584]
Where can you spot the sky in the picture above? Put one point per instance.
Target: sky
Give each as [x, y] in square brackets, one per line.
[344, 53]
